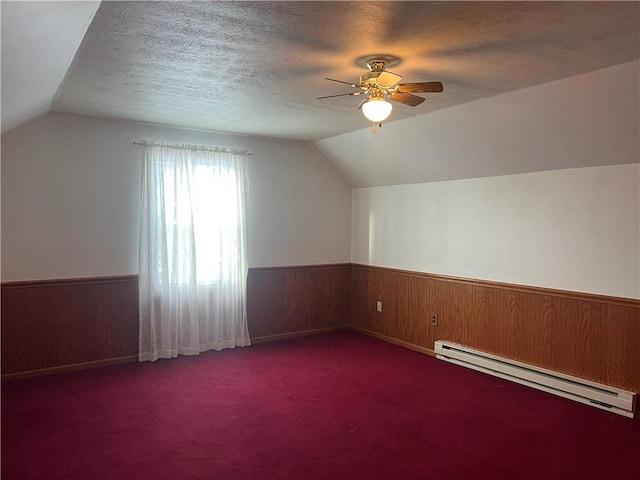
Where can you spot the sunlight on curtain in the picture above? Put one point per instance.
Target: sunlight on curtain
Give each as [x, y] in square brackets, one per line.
[193, 253]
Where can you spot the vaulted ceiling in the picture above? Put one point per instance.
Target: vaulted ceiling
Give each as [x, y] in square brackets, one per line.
[257, 67]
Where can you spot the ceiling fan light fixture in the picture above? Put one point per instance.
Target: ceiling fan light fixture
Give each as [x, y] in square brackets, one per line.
[376, 109]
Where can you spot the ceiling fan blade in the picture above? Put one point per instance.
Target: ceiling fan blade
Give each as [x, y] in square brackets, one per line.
[340, 95]
[406, 98]
[420, 87]
[388, 79]
[362, 103]
[340, 81]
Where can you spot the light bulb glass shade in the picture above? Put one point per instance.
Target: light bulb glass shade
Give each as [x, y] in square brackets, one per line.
[376, 109]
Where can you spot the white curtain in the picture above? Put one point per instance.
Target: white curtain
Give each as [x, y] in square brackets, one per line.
[193, 253]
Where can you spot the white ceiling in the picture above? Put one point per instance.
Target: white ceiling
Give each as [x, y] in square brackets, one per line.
[256, 67]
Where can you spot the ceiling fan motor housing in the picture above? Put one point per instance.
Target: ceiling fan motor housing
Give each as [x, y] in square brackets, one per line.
[376, 67]
[369, 78]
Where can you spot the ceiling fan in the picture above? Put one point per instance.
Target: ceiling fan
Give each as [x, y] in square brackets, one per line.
[378, 85]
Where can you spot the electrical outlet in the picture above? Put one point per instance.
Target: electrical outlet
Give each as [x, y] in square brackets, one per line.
[434, 319]
[378, 306]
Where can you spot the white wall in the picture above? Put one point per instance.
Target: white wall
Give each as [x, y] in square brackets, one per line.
[576, 229]
[71, 192]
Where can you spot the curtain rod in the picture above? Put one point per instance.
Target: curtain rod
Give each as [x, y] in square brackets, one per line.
[146, 143]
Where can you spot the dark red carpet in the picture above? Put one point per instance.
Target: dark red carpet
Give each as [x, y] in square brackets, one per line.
[335, 406]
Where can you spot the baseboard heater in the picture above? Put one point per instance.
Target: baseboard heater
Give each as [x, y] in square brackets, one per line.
[583, 391]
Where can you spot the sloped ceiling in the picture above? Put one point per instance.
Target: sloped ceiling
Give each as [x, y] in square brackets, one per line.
[587, 120]
[257, 67]
[39, 40]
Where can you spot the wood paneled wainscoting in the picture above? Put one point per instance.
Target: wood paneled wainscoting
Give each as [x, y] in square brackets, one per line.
[290, 301]
[61, 325]
[589, 336]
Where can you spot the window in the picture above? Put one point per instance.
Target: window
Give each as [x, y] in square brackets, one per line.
[193, 259]
[202, 205]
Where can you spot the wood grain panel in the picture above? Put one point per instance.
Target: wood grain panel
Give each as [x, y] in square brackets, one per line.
[282, 300]
[265, 302]
[47, 325]
[623, 348]
[415, 330]
[59, 325]
[585, 335]
[53, 323]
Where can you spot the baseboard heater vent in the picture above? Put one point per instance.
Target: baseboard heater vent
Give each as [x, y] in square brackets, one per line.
[583, 391]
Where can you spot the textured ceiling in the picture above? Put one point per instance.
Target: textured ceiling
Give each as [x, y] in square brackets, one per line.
[256, 67]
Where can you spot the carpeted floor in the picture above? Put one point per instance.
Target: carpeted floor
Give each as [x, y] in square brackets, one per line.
[334, 406]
